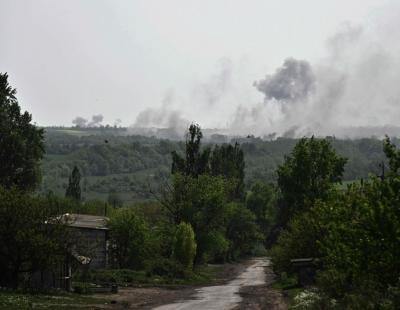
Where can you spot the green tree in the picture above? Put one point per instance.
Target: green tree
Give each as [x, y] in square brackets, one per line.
[201, 202]
[196, 161]
[184, 247]
[74, 187]
[31, 239]
[359, 241]
[298, 240]
[228, 161]
[261, 200]
[242, 231]
[21, 142]
[132, 239]
[307, 175]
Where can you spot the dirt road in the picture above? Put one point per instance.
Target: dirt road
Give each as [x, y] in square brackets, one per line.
[230, 295]
[240, 286]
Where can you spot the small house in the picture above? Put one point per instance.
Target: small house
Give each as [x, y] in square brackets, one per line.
[88, 239]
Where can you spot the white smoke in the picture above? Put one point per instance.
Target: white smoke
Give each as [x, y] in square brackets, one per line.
[82, 122]
[355, 86]
[352, 91]
[79, 121]
[96, 120]
[163, 117]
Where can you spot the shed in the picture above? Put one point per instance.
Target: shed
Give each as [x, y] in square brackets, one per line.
[91, 233]
[88, 247]
[306, 269]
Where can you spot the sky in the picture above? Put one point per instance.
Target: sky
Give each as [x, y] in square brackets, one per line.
[184, 59]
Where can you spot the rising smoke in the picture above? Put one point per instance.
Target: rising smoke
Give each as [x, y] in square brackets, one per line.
[352, 91]
[165, 117]
[292, 82]
[79, 121]
[82, 122]
[96, 120]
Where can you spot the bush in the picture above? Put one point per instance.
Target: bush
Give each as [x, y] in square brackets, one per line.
[28, 241]
[299, 240]
[184, 248]
[164, 267]
[131, 239]
[312, 299]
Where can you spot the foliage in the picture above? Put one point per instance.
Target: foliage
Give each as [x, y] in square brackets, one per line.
[168, 268]
[241, 231]
[128, 164]
[261, 200]
[202, 197]
[361, 236]
[132, 239]
[202, 202]
[184, 247]
[307, 175]
[357, 236]
[74, 187]
[162, 271]
[298, 240]
[228, 161]
[196, 161]
[28, 233]
[21, 142]
[56, 300]
[312, 299]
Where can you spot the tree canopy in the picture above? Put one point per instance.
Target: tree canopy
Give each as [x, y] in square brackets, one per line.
[307, 175]
[196, 160]
[21, 142]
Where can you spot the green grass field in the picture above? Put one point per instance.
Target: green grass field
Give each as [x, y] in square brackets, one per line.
[59, 300]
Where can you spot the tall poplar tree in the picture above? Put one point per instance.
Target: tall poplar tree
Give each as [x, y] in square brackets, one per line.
[74, 188]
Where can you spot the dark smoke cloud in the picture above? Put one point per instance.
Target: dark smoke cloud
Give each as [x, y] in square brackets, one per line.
[352, 91]
[79, 121]
[96, 120]
[293, 81]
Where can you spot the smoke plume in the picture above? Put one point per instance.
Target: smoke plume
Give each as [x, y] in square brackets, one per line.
[165, 117]
[79, 121]
[96, 120]
[351, 91]
[293, 81]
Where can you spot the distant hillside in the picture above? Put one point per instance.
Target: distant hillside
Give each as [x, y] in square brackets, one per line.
[131, 165]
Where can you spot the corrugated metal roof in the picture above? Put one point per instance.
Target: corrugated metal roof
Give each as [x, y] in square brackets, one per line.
[86, 221]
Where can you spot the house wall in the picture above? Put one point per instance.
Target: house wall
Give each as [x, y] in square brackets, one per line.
[92, 243]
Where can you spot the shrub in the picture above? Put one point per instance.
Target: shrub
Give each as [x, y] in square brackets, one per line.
[164, 267]
[131, 238]
[299, 240]
[184, 248]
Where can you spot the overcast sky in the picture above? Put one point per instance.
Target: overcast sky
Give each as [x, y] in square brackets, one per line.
[118, 58]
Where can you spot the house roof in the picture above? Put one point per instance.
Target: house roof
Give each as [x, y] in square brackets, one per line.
[86, 221]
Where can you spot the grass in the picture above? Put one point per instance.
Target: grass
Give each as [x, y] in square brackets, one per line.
[202, 275]
[60, 300]
[10, 300]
